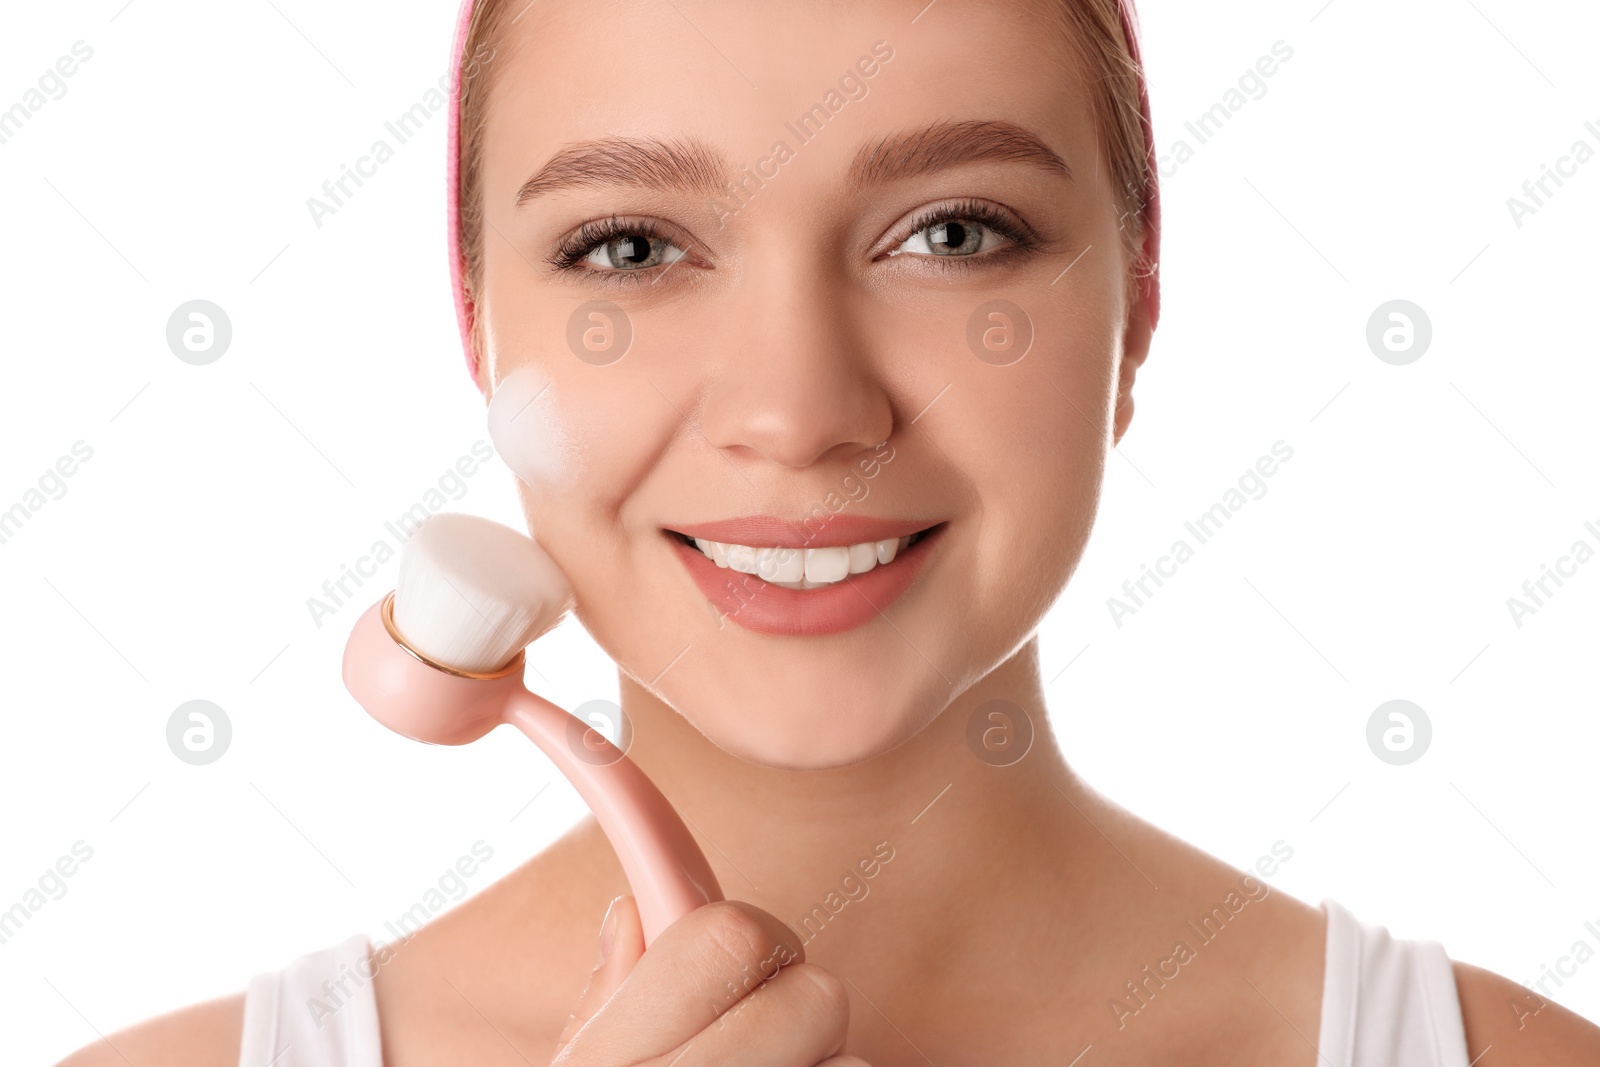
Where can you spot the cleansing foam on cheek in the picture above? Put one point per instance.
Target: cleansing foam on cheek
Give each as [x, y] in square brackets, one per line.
[526, 428]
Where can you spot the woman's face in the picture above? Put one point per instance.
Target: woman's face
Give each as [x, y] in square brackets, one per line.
[838, 226]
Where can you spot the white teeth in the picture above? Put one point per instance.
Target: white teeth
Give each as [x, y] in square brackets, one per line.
[781, 564]
[742, 558]
[809, 568]
[827, 564]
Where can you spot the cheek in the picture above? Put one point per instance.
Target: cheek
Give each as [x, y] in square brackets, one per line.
[580, 439]
[1032, 437]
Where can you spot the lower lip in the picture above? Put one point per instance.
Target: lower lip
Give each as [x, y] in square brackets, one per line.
[765, 608]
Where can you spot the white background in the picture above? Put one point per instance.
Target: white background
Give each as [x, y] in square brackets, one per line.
[1230, 710]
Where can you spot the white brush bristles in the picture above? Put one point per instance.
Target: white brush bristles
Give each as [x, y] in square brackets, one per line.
[472, 592]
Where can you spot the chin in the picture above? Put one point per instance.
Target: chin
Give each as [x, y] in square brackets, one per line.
[807, 732]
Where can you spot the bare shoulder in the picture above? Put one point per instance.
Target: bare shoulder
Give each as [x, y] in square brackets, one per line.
[200, 1035]
[495, 978]
[1524, 1028]
[1262, 950]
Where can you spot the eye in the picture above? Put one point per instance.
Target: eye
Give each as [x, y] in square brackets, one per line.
[633, 252]
[612, 247]
[954, 237]
[965, 231]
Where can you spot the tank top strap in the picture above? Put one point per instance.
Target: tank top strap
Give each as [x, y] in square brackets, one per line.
[1385, 1000]
[319, 1011]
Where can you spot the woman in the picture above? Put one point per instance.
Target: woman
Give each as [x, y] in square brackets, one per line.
[881, 271]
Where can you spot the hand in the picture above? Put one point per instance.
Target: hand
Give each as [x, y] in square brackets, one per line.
[728, 981]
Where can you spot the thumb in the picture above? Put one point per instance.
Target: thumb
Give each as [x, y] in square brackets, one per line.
[621, 945]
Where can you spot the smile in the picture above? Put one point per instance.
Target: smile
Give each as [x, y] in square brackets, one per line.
[804, 568]
[770, 577]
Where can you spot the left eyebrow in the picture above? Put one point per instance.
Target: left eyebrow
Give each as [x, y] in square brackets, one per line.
[912, 153]
[689, 165]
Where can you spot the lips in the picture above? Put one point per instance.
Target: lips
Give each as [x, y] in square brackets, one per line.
[762, 607]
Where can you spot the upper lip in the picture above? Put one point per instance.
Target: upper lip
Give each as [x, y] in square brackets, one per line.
[821, 531]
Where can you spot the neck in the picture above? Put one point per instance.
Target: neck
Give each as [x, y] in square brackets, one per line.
[888, 851]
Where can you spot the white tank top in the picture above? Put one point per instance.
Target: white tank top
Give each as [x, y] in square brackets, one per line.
[1384, 1001]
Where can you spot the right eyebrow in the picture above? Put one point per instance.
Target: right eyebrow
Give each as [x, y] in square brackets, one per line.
[647, 163]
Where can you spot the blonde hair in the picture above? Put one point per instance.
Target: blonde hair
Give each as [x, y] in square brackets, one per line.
[1091, 31]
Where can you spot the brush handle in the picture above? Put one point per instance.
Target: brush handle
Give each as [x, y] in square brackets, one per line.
[667, 871]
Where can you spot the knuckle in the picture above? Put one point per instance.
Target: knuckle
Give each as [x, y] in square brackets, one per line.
[735, 935]
[827, 993]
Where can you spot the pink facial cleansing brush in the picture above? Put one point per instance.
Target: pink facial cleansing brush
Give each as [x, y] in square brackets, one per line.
[470, 591]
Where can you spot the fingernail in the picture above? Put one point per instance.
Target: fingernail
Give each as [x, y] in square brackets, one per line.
[608, 931]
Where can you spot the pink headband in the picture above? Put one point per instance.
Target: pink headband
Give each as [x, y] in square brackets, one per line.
[1152, 234]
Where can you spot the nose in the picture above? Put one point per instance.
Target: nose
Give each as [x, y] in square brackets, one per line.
[795, 384]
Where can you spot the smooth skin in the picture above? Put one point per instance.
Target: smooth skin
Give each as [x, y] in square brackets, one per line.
[781, 346]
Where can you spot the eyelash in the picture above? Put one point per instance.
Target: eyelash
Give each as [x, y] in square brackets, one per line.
[1002, 222]
[591, 235]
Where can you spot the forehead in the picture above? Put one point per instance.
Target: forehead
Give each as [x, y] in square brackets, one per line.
[823, 77]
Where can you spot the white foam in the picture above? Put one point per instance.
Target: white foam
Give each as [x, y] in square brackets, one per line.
[526, 427]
